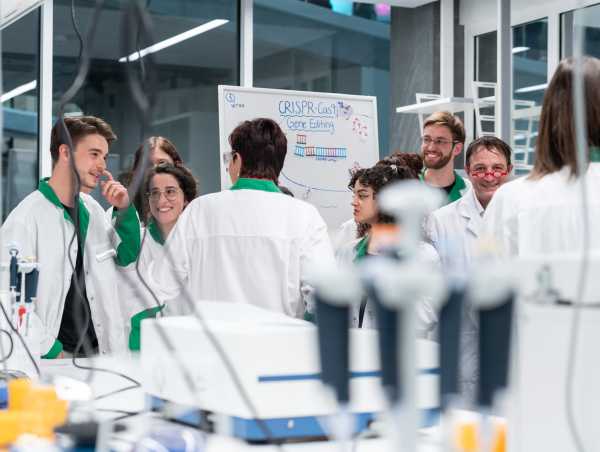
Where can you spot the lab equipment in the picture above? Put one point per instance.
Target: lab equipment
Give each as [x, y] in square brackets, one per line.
[276, 360]
[336, 291]
[22, 327]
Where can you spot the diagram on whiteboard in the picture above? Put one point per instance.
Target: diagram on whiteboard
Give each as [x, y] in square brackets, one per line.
[329, 136]
[318, 152]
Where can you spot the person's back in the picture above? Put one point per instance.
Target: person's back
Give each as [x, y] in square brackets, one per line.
[252, 246]
[251, 243]
[533, 217]
[542, 214]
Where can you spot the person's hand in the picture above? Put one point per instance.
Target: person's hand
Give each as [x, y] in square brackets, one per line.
[114, 192]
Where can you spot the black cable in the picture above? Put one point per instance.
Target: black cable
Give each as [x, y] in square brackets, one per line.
[84, 64]
[117, 391]
[76, 28]
[145, 105]
[6, 355]
[582, 152]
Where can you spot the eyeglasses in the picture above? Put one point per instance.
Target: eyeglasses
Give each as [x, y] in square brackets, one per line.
[170, 194]
[438, 142]
[481, 173]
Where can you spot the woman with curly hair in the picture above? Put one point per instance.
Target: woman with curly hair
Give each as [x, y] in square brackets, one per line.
[162, 151]
[365, 184]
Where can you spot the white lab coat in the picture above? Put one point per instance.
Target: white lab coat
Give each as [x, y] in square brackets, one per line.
[427, 316]
[454, 232]
[247, 246]
[540, 217]
[38, 229]
[135, 296]
[344, 234]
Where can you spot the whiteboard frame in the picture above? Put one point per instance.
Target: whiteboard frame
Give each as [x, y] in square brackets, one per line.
[223, 141]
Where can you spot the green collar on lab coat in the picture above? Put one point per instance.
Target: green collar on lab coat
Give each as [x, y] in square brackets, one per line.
[361, 248]
[594, 154]
[84, 215]
[244, 183]
[154, 231]
[455, 192]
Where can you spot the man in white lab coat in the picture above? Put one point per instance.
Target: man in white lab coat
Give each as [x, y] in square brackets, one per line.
[77, 299]
[249, 244]
[454, 230]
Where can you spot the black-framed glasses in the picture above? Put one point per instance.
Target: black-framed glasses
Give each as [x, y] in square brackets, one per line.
[169, 192]
[438, 142]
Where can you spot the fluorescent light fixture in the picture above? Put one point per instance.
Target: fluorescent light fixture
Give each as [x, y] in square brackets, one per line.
[174, 40]
[520, 49]
[18, 91]
[529, 89]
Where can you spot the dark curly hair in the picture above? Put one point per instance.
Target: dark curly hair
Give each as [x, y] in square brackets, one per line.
[396, 167]
[152, 143]
[186, 180]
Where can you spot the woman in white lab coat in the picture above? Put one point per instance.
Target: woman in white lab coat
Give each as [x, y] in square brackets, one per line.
[365, 184]
[168, 190]
[542, 213]
[162, 151]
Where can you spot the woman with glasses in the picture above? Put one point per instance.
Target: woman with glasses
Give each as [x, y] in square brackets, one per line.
[162, 150]
[365, 184]
[168, 190]
[542, 214]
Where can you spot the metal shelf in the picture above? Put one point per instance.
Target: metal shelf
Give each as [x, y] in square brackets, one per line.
[452, 104]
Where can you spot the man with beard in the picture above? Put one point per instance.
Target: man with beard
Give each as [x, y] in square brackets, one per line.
[443, 139]
[454, 231]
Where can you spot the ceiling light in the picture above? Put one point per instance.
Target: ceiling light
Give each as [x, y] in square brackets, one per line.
[520, 49]
[18, 91]
[529, 89]
[174, 40]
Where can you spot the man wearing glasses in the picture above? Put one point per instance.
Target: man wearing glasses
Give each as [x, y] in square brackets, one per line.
[443, 139]
[454, 230]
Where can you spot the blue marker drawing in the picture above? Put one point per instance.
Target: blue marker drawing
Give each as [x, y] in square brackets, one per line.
[230, 97]
[308, 187]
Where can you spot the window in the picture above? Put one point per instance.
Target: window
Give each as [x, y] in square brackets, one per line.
[303, 46]
[20, 70]
[530, 69]
[590, 18]
[188, 74]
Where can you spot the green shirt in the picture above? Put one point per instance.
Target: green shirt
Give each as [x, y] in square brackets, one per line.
[457, 187]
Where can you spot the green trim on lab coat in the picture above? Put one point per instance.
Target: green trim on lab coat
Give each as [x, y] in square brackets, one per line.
[54, 351]
[136, 325]
[84, 216]
[244, 183]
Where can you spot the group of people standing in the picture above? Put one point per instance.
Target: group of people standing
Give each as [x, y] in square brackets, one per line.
[160, 244]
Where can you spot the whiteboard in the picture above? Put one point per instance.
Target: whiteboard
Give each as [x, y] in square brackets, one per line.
[327, 134]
